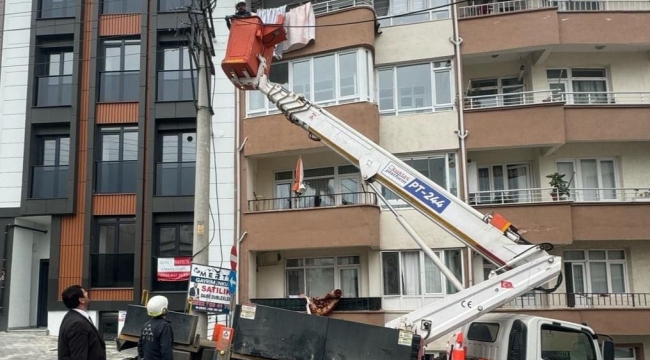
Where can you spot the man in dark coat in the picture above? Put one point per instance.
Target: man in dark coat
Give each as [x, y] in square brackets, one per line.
[157, 337]
[79, 339]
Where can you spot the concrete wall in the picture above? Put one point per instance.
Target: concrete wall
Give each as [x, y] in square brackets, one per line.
[13, 97]
[400, 44]
[419, 132]
[54, 319]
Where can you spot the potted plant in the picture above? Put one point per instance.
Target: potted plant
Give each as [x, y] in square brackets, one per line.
[560, 186]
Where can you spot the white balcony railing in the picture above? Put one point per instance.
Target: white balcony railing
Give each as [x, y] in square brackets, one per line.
[542, 301]
[548, 96]
[542, 195]
[335, 5]
[503, 7]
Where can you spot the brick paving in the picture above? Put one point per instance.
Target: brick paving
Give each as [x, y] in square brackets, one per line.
[24, 345]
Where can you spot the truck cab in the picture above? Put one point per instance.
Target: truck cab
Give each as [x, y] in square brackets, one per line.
[501, 336]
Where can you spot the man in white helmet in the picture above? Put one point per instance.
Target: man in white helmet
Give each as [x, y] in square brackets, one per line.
[157, 337]
[240, 6]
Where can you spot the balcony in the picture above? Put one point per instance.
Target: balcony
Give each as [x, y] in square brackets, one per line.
[175, 179]
[551, 23]
[54, 91]
[543, 195]
[611, 314]
[117, 86]
[116, 177]
[51, 9]
[177, 85]
[336, 220]
[112, 270]
[326, 7]
[546, 118]
[49, 182]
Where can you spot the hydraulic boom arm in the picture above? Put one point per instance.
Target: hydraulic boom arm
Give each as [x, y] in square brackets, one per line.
[523, 266]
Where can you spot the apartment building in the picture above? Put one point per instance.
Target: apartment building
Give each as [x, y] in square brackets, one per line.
[98, 156]
[547, 86]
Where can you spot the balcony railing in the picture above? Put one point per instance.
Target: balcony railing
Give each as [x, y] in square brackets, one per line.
[175, 179]
[504, 7]
[49, 182]
[542, 301]
[116, 177]
[54, 90]
[345, 304]
[334, 5]
[173, 5]
[542, 195]
[315, 201]
[177, 85]
[117, 86]
[112, 270]
[549, 96]
[58, 9]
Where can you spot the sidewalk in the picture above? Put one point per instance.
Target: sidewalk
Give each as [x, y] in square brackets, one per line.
[17, 345]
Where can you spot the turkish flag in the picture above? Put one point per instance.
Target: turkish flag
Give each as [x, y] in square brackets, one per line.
[506, 284]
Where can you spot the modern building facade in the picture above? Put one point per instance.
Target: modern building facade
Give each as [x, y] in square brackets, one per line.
[486, 104]
[98, 156]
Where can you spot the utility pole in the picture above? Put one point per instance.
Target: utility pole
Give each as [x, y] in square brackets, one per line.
[202, 51]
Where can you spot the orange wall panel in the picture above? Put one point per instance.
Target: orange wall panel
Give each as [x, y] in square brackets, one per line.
[114, 204]
[119, 24]
[117, 113]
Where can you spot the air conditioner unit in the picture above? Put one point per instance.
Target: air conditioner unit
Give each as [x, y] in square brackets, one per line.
[268, 258]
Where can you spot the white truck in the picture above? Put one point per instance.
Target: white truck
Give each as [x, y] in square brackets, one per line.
[521, 267]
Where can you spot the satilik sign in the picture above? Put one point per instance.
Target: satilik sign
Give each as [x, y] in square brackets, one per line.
[209, 289]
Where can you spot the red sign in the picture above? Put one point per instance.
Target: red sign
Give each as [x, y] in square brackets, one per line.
[174, 269]
[233, 258]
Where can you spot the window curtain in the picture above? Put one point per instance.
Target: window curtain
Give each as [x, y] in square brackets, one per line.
[411, 273]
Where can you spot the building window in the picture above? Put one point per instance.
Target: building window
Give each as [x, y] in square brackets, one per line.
[329, 79]
[121, 6]
[176, 79]
[579, 86]
[503, 184]
[624, 353]
[50, 176]
[596, 271]
[58, 9]
[590, 179]
[54, 85]
[319, 276]
[175, 169]
[172, 240]
[415, 88]
[397, 7]
[413, 273]
[173, 5]
[120, 77]
[117, 167]
[506, 91]
[328, 186]
[441, 169]
[112, 253]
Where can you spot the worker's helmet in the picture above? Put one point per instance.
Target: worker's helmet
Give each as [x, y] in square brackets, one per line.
[240, 2]
[157, 306]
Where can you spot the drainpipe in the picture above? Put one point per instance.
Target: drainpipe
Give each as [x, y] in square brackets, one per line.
[5, 272]
[461, 132]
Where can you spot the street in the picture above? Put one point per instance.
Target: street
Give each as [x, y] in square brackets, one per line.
[18, 345]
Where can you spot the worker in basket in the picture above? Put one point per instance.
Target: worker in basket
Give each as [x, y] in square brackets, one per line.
[240, 13]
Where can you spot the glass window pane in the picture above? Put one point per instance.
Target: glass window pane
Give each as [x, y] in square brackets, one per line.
[106, 239]
[188, 147]
[438, 171]
[578, 278]
[167, 241]
[49, 152]
[171, 59]
[454, 262]
[295, 282]
[112, 60]
[432, 276]
[414, 86]
[110, 147]
[319, 262]
[320, 281]
[54, 65]
[411, 273]
[130, 149]
[170, 148]
[302, 78]
[597, 255]
[574, 255]
[294, 263]
[348, 260]
[616, 255]
[386, 93]
[64, 151]
[598, 272]
[324, 75]
[68, 63]
[443, 87]
[280, 74]
[608, 179]
[391, 274]
[349, 282]
[617, 277]
[132, 57]
[127, 238]
[185, 240]
[348, 75]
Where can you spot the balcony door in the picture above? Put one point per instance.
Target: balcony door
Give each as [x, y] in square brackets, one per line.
[590, 179]
[502, 184]
[50, 176]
